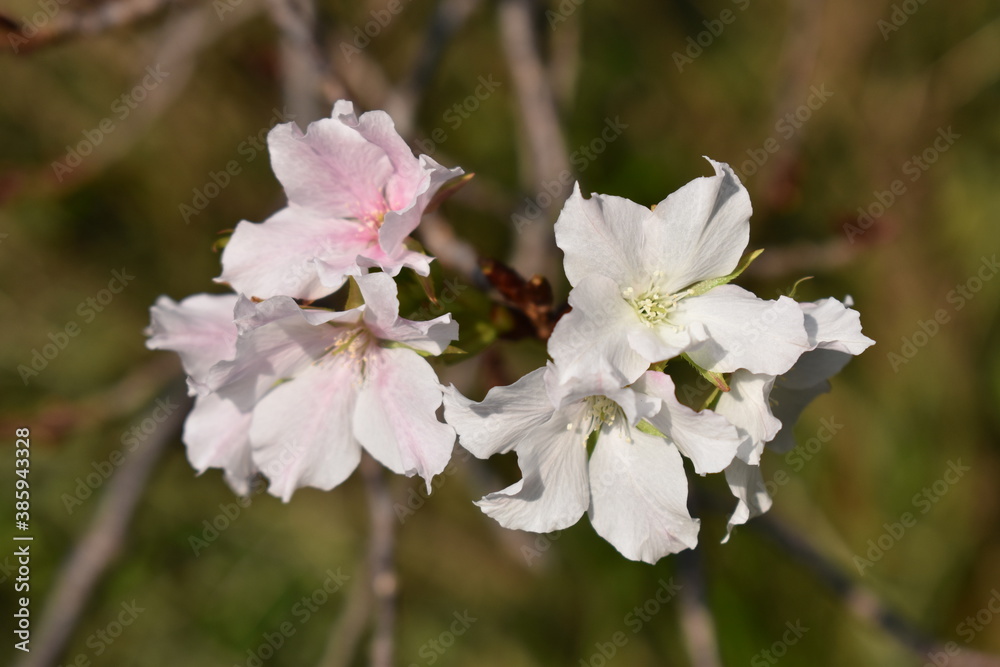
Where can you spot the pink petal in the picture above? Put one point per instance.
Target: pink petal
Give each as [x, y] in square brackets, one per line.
[200, 329]
[294, 254]
[301, 431]
[395, 418]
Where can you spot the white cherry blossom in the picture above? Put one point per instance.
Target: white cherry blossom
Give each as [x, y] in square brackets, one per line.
[633, 486]
[648, 285]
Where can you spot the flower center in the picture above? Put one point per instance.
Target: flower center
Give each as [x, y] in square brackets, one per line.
[652, 305]
[351, 342]
[602, 411]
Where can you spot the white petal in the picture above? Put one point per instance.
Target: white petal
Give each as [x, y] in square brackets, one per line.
[707, 438]
[301, 431]
[284, 255]
[395, 418]
[278, 339]
[748, 486]
[834, 326]
[665, 341]
[636, 406]
[200, 329]
[216, 434]
[700, 231]
[745, 332]
[383, 320]
[602, 235]
[639, 495]
[747, 406]
[505, 417]
[590, 343]
[554, 492]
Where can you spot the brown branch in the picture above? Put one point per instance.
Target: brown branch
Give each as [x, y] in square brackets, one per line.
[404, 100]
[862, 602]
[305, 70]
[535, 252]
[698, 626]
[102, 543]
[381, 566]
[69, 24]
[345, 635]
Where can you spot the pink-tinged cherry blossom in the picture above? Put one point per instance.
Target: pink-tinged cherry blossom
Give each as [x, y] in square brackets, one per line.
[299, 392]
[355, 193]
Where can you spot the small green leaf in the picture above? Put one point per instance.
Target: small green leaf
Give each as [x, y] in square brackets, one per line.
[649, 429]
[713, 377]
[705, 285]
[711, 397]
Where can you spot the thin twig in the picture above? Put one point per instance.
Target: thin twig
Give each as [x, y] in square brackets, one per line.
[862, 602]
[381, 565]
[102, 542]
[404, 100]
[535, 252]
[345, 635]
[796, 69]
[179, 41]
[697, 623]
[303, 61]
[70, 24]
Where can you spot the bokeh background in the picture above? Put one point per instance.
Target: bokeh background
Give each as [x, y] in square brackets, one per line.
[827, 111]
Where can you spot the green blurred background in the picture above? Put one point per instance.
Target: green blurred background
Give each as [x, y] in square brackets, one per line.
[879, 97]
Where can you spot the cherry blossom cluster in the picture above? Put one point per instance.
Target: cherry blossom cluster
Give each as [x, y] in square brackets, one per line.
[295, 392]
